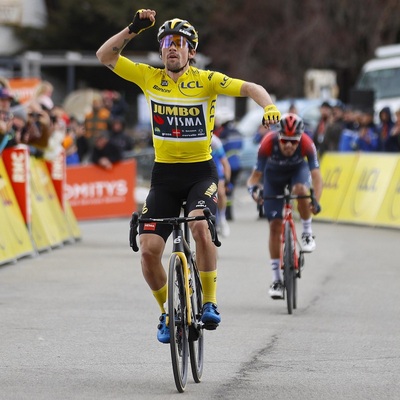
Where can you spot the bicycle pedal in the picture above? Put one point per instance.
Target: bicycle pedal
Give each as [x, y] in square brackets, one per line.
[210, 326]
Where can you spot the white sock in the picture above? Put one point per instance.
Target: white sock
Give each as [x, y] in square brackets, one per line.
[276, 271]
[307, 225]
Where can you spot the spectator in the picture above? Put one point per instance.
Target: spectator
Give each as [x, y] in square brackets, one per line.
[367, 139]
[43, 95]
[392, 144]
[96, 121]
[18, 125]
[70, 147]
[38, 129]
[105, 153]
[324, 120]
[385, 126]
[118, 136]
[348, 137]
[114, 102]
[6, 117]
[333, 130]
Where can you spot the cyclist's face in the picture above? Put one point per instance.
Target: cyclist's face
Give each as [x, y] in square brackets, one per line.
[175, 51]
[288, 147]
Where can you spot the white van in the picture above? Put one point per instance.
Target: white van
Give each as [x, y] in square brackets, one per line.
[382, 75]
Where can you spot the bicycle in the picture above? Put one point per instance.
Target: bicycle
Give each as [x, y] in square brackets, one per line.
[185, 296]
[291, 254]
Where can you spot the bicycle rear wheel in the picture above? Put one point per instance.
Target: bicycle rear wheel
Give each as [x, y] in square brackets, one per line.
[178, 323]
[288, 267]
[196, 337]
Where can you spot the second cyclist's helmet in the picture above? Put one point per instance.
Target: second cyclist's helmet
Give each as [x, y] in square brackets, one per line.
[291, 126]
[179, 27]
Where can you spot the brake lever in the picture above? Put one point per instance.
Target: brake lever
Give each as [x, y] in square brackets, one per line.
[211, 226]
[133, 232]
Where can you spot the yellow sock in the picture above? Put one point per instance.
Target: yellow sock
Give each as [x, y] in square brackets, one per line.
[161, 297]
[209, 283]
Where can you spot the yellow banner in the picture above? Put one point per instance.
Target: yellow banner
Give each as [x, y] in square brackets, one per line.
[15, 241]
[336, 170]
[72, 221]
[389, 212]
[49, 226]
[367, 189]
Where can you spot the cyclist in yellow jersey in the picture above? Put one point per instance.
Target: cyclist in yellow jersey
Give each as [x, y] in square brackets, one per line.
[182, 101]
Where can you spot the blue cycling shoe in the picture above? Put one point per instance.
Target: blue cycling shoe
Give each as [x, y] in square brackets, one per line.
[163, 334]
[210, 316]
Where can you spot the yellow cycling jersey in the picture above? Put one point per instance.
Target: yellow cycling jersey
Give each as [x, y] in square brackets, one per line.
[182, 112]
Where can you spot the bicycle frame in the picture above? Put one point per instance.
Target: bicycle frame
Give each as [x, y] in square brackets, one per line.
[181, 249]
[288, 217]
[180, 240]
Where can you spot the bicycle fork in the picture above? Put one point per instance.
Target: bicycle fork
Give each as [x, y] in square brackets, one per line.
[178, 249]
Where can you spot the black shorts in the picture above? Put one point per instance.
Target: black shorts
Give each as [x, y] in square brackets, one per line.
[275, 182]
[173, 184]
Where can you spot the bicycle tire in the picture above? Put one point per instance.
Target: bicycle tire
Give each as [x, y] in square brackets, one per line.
[288, 266]
[294, 288]
[178, 323]
[196, 336]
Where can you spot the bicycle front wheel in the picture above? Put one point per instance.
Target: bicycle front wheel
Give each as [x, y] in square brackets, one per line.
[288, 267]
[196, 337]
[178, 323]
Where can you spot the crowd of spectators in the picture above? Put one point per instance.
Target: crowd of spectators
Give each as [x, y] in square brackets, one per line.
[101, 137]
[346, 128]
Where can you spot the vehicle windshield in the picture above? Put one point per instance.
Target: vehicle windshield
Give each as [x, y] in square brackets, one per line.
[384, 82]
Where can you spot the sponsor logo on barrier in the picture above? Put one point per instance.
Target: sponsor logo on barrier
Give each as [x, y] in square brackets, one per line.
[366, 185]
[332, 177]
[18, 167]
[97, 192]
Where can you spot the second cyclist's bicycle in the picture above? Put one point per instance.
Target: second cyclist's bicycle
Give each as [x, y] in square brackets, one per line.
[185, 296]
[291, 254]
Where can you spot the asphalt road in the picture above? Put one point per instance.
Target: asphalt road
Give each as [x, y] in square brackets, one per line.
[79, 322]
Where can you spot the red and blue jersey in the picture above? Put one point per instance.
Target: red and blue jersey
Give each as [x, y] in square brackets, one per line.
[270, 157]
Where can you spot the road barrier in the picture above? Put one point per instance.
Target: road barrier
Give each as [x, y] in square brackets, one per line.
[33, 216]
[361, 188]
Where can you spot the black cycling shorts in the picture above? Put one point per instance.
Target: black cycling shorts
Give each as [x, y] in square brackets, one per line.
[275, 182]
[171, 185]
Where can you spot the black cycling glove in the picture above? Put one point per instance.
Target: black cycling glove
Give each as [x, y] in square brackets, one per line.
[139, 25]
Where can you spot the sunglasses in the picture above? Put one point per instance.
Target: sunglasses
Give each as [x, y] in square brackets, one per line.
[293, 142]
[179, 41]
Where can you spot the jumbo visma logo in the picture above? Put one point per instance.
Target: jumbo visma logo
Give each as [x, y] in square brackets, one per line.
[173, 121]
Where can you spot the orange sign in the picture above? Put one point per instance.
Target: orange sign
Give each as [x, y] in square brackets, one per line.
[95, 193]
[23, 88]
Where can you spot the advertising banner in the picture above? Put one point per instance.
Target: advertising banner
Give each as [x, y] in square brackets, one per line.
[389, 211]
[16, 161]
[368, 187]
[337, 170]
[96, 193]
[15, 241]
[49, 224]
